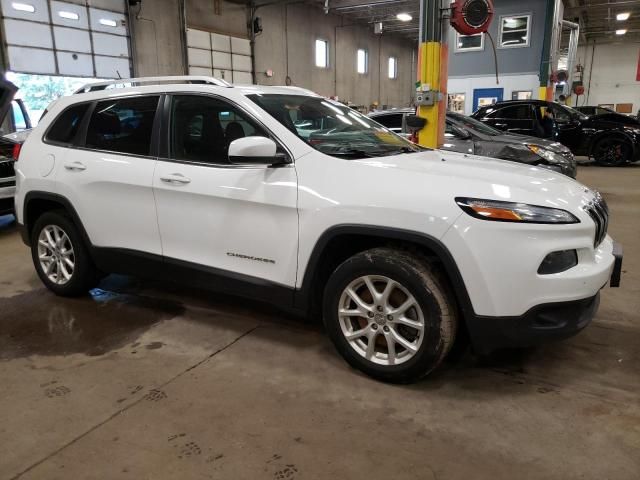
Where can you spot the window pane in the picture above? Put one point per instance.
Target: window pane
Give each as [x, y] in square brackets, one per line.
[514, 31]
[393, 67]
[123, 125]
[362, 61]
[18, 117]
[65, 127]
[518, 112]
[470, 42]
[393, 120]
[202, 128]
[322, 54]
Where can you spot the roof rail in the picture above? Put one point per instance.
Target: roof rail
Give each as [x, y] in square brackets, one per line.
[136, 82]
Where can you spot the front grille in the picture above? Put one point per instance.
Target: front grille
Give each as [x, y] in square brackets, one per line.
[6, 169]
[599, 212]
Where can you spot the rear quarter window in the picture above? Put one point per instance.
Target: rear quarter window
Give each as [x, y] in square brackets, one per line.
[64, 129]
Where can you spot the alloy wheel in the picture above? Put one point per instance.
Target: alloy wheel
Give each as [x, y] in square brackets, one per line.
[381, 320]
[56, 255]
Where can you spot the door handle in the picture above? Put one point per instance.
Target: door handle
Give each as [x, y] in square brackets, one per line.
[75, 166]
[175, 179]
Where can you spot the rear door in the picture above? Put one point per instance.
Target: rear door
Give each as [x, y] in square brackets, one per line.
[218, 217]
[107, 171]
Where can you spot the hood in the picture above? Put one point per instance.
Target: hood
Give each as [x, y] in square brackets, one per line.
[7, 91]
[616, 118]
[481, 177]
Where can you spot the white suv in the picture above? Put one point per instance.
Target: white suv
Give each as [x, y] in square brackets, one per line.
[281, 195]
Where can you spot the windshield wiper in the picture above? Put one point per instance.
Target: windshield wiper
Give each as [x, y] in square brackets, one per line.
[351, 152]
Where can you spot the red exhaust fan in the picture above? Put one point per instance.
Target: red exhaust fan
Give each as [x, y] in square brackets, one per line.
[469, 17]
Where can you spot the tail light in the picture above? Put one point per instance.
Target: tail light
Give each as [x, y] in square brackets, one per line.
[15, 153]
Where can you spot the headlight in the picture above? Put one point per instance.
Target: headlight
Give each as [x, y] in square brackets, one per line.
[514, 212]
[547, 154]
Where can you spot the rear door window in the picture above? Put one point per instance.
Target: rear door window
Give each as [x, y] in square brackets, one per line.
[64, 129]
[123, 125]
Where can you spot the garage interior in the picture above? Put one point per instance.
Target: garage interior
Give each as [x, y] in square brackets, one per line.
[152, 379]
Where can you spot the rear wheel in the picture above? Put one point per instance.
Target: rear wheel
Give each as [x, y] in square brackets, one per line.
[60, 257]
[390, 314]
[612, 151]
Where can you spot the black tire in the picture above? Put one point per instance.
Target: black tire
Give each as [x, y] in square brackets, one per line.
[612, 151]
[417, 276]
[84, 276]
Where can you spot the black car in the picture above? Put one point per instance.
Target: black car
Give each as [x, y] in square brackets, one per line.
[607, 142]
[604, 113]
[466, 135]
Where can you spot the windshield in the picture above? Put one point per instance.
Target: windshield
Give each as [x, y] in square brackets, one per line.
[333, 128]
[575, 113]
[473, 124]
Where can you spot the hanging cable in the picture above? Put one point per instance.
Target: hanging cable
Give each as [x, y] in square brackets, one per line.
[495, 56]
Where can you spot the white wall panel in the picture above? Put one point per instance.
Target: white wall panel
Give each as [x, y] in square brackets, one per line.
[72, 39]
[241, 62]
[220, 43]
[223, 74]
[221, 60]
[242, 78]
[109, 67]
[198, 39]
[240, 45]
[72, 8]
[104, 44]
[200, 71]
[38, 35]
[199, 57]
[96, 16]
[41, 13]
[75, 64]
[31, 60]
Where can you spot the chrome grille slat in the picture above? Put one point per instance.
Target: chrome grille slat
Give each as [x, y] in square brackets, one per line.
[599, 213]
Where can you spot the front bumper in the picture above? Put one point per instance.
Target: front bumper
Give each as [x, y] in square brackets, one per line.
[541, 324]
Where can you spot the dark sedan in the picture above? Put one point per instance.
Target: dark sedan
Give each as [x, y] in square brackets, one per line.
[466, 135]
[607, 141]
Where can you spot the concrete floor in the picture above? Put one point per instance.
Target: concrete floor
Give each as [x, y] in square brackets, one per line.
[142, 380]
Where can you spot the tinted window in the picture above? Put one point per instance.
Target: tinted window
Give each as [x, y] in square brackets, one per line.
[64, 128]
[203, 127]
[516, 112]
[123, 125]
[393, 120]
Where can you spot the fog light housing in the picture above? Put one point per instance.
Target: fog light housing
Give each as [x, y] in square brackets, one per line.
[557, 262]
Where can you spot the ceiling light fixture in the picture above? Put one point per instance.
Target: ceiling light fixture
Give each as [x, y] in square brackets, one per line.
[404, 17]
[623, 16]
[622, 31]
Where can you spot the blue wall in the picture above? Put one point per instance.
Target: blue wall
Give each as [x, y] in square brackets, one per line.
[510, 60]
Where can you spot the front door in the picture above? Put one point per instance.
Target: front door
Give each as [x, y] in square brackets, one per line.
[486, 96]
[225, 218]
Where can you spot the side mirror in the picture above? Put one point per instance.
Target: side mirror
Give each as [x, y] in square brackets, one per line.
[255, 151]
[415, 123]
[462, 133]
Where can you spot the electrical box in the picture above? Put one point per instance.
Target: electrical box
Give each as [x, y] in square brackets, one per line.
[426, 98]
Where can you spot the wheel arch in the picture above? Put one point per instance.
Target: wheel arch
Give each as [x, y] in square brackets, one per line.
[342, 241]
[37, 203]
[613, 133]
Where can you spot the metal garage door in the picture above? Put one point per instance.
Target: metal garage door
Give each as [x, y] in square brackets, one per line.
[61, 38]
[220, 56]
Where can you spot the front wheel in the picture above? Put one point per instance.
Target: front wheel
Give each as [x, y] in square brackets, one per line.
[390, 314]
[60, 256]
[612, 151]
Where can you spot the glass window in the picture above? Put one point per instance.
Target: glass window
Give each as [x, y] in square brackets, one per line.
[65, 127]
[18, 117]
[203, 127]
[123, 125]
[473, 125]
[363, 61]
[393, 67]
[392, 121]
[516, 112]
[322, 53]
[469, 43]
[333, 128]
[514, 31]
[521, 95]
